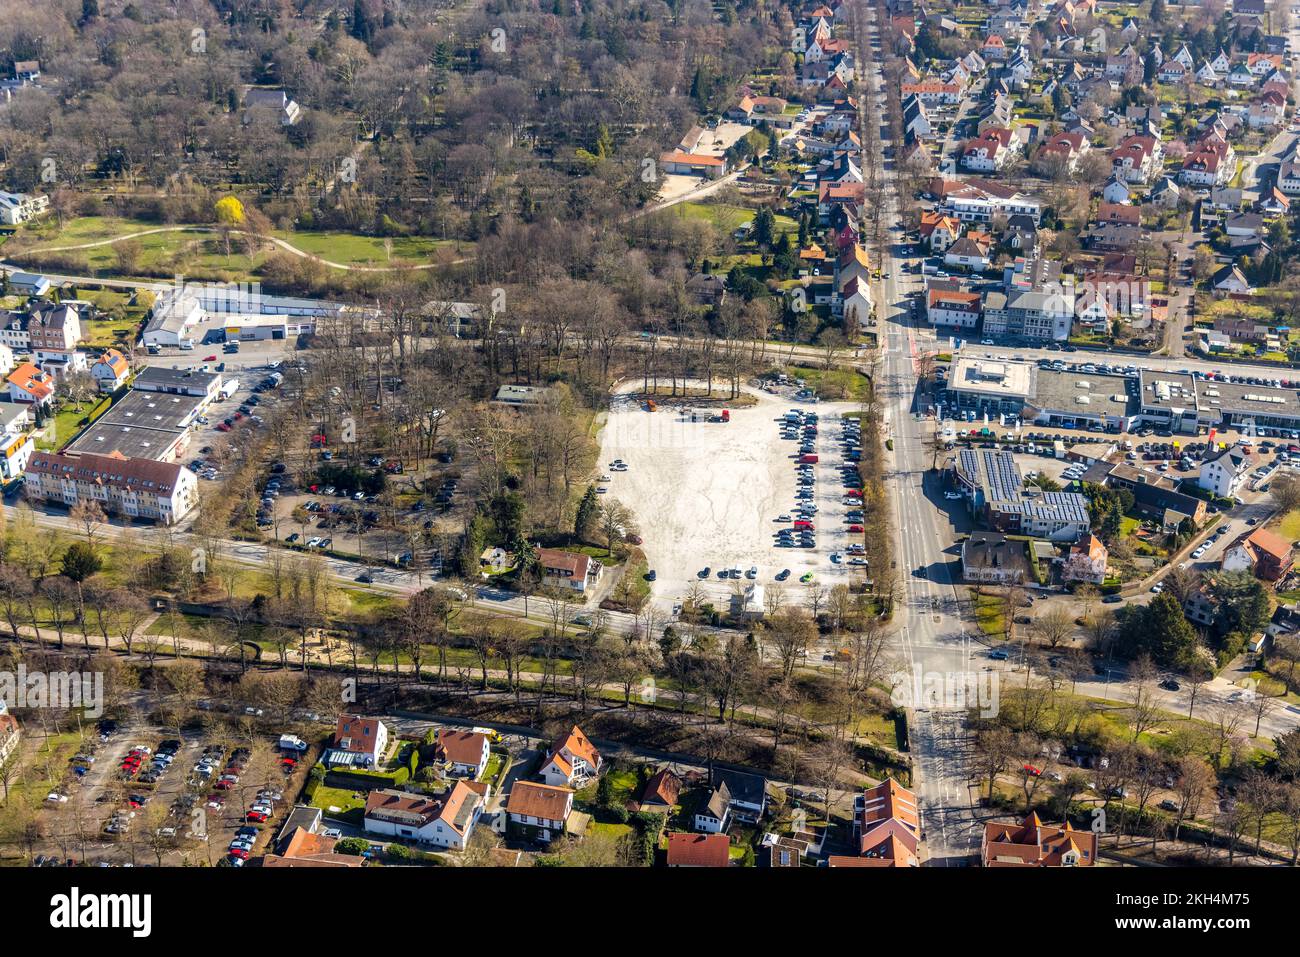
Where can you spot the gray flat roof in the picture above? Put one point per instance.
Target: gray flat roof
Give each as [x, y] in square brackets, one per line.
[1007, 379]
[1234, 397]
[1167, 390]
[141, 425]
[163, 376]
[1085, 394]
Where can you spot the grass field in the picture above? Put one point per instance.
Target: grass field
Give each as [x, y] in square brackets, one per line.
[194, 250]
[729, 218]
[1290, 526]
[988, 614]
[833, 384]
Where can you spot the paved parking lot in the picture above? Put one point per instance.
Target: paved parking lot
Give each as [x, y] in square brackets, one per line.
[707, 494]
[175, 804]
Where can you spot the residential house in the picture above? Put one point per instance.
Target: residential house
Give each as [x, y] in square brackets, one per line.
[10, 734]
[29, 384]
[538, 812]
[933, 92]
[1122, 213]
[661, 792]
[275, 103]
[1204, 168]
[939, 231]
[1173, 71]
[1165, 193]
[1224, 472]
[1086, 561]
[1288, 178]
[1116, 189]
[1034, 844]
[887, 825]
[714, 817]
[445, 821]
[1231, 281]
[916, 122]
[1263, 553]
[466, 752]
[110, 370]
[970, 252]
[573, 760]
[1067, 147]
[19, 208]
[570, 569]
[991, 558]
[698, 850]
[1136, 158]
[953, 307]
[988, 152]
[357, 740]
[747, 792]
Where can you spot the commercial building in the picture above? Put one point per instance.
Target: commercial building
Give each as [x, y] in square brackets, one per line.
[143, 425]
[203, 385]
[986, 386]
[999, 499]
[1185, 404]
[138, 488]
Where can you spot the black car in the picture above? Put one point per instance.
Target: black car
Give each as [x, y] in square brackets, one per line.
[1169, 684]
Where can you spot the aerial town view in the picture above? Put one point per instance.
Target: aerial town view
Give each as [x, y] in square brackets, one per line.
[628, 434]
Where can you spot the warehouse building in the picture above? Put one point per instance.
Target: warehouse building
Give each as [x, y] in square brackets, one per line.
[142, 425]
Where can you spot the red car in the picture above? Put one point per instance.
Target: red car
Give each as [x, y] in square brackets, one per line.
[853, 492]
[855, 528]
[209, 358]
[256, 817]
[239, 852]
[223, 427]
[1033, 770]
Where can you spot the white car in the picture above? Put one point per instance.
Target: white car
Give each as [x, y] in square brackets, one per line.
[952, 496]
[54, 797]
[783, 518]
[333, 832]
[313, 542]
[1157, 588]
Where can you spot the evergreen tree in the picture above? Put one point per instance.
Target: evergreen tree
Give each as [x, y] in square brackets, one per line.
[471, 547]
[588, 511]
[764, 225]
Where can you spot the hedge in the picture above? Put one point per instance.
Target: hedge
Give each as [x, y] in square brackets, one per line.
[368, 779]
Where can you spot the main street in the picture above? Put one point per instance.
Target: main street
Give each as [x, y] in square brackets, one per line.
[932, 637]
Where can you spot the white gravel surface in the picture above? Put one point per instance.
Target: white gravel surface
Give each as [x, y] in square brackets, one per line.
[707, 493]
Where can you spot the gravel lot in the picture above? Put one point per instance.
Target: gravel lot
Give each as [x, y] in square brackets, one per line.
[707, 494]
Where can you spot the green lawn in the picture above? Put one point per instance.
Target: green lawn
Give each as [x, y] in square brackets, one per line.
[729, 218]
[833, 384]
[1290, 526]
[197, 250]
[988, 614]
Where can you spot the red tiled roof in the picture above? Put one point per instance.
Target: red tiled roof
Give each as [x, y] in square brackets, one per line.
[698, 850]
